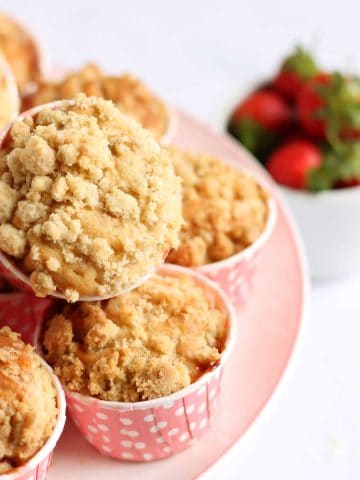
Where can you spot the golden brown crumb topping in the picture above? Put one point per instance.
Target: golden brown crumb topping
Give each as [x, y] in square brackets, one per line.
[224, 210]
[142, 345]
[28, 408]
[19, 51]
[89, 202]
[129, 94]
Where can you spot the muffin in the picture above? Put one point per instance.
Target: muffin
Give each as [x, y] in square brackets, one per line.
[9, 97]
[142, 345]
[19, 50]
[129, 94]
[28, 406]
[224, 210]
[89, 202]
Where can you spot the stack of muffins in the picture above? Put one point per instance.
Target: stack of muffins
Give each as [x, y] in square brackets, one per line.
[92, 205]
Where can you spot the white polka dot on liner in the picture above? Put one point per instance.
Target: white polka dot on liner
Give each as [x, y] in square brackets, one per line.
[126, 443]
[101, 416]
[133, 433]
[127, 455]
[202, 407]
[201, 390]
[160, 440]
[184, 437]
[212, 393]
[92, 429]
[147, 456]
[140, 445]
[149, 418]
[179, 411]
[173, 432]
[103, 428]
[106, 439]
[105, 448]
[192, 425]
[77, 407]
[169, 404]
[166, 449]
[126, 421]
[158, 426]
[190, 408]
[203, 423]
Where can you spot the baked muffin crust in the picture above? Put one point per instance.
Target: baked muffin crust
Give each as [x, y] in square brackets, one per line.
[28, 408]
[19, 51]
[129, 94]
[89, 202]
[142, 345]
[224, 210]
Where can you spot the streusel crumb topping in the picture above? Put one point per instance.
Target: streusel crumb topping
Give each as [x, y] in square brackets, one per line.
[28, 407]
[89, 202]
[224, 210]
[129, 94]
[142, 345]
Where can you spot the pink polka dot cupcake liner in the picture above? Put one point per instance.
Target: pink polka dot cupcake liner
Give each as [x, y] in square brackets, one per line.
[20, 311]
[37, 467]
[160, 428]
[235, 274]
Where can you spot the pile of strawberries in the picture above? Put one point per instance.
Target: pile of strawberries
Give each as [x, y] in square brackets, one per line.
[304, 125]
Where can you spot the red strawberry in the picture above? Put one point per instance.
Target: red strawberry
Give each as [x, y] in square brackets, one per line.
[266, 108]
[290, 164]
[309, 103]
[259, 121]
[294, 72]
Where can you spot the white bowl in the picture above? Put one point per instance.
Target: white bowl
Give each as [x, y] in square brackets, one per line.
[330, 225]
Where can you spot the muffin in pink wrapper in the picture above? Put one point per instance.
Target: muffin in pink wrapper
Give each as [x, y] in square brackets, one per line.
[32, 406]
[127, 92]
[147, 428]
[78, 220]
[235, 275]
[228, 217]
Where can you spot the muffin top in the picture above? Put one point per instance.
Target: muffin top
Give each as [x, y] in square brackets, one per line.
[224, 210]
[9, 100]
[19, 50]
[145, 344]
[129, 94]
[89, 202]
[28, 407]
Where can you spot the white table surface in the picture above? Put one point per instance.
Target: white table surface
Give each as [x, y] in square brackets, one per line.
[201, 55]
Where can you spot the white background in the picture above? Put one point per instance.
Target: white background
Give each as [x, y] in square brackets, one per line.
[201, 55]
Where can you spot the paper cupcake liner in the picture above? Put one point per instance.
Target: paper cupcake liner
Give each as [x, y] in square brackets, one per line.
[37, 467]
[235, 274]
[160, 428]
[20, 311]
